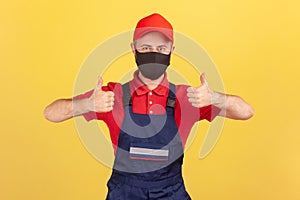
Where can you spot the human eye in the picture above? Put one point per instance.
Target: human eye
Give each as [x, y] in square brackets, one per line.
[145, 48]
[162, 48]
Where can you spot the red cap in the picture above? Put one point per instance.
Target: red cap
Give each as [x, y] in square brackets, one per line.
[154, 22]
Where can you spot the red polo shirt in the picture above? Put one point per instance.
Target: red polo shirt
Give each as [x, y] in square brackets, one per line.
[145, 101]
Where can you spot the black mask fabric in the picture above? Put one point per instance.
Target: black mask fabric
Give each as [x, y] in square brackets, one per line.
[152, 64]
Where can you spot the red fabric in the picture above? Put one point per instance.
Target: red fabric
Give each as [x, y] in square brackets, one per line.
[185, 114]
[154, 22]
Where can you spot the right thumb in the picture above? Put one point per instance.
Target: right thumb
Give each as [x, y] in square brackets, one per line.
[100, 82]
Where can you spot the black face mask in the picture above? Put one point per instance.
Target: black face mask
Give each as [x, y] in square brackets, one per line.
[152, 64]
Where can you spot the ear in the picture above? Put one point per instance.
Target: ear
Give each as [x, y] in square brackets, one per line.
[132, 47]
[172, 48]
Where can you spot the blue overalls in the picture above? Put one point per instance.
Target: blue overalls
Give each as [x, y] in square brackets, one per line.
[149, 155]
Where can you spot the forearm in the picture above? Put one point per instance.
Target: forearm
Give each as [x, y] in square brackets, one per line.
[63, 109]
[233, 107]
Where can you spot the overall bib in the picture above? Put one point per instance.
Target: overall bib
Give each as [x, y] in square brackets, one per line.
[149, 156]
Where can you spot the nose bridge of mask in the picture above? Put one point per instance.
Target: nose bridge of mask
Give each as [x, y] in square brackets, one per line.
[156, 57]
[152, 58]
[148, 57]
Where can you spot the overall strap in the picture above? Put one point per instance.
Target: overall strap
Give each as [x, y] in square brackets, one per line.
[128, 101]
[171, 96]
[126, 95]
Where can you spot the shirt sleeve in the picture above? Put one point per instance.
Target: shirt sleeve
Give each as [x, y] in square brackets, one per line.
[209, 112]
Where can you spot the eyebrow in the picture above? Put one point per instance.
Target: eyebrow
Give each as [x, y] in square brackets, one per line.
[163, 46]
[148, 45]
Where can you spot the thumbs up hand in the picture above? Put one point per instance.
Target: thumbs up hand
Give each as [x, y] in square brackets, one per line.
[200, 96]
[101, 101]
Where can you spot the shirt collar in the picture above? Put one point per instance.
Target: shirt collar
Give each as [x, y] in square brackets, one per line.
[140, 88]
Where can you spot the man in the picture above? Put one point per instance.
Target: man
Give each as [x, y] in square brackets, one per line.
[149, 119]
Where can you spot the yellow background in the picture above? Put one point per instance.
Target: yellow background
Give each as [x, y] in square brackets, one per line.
[255, 45]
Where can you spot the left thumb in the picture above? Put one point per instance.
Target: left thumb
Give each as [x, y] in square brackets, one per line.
[203, 79]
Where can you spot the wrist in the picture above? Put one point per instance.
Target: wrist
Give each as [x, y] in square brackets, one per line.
[89, 104]
[218, 99]
[81, 106]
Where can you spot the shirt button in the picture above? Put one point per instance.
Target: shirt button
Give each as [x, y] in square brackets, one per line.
[151, 112]
[150, 102]
[150, 93]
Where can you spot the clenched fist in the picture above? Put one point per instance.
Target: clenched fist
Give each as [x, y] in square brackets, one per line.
[101, 101]
[200, 96]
